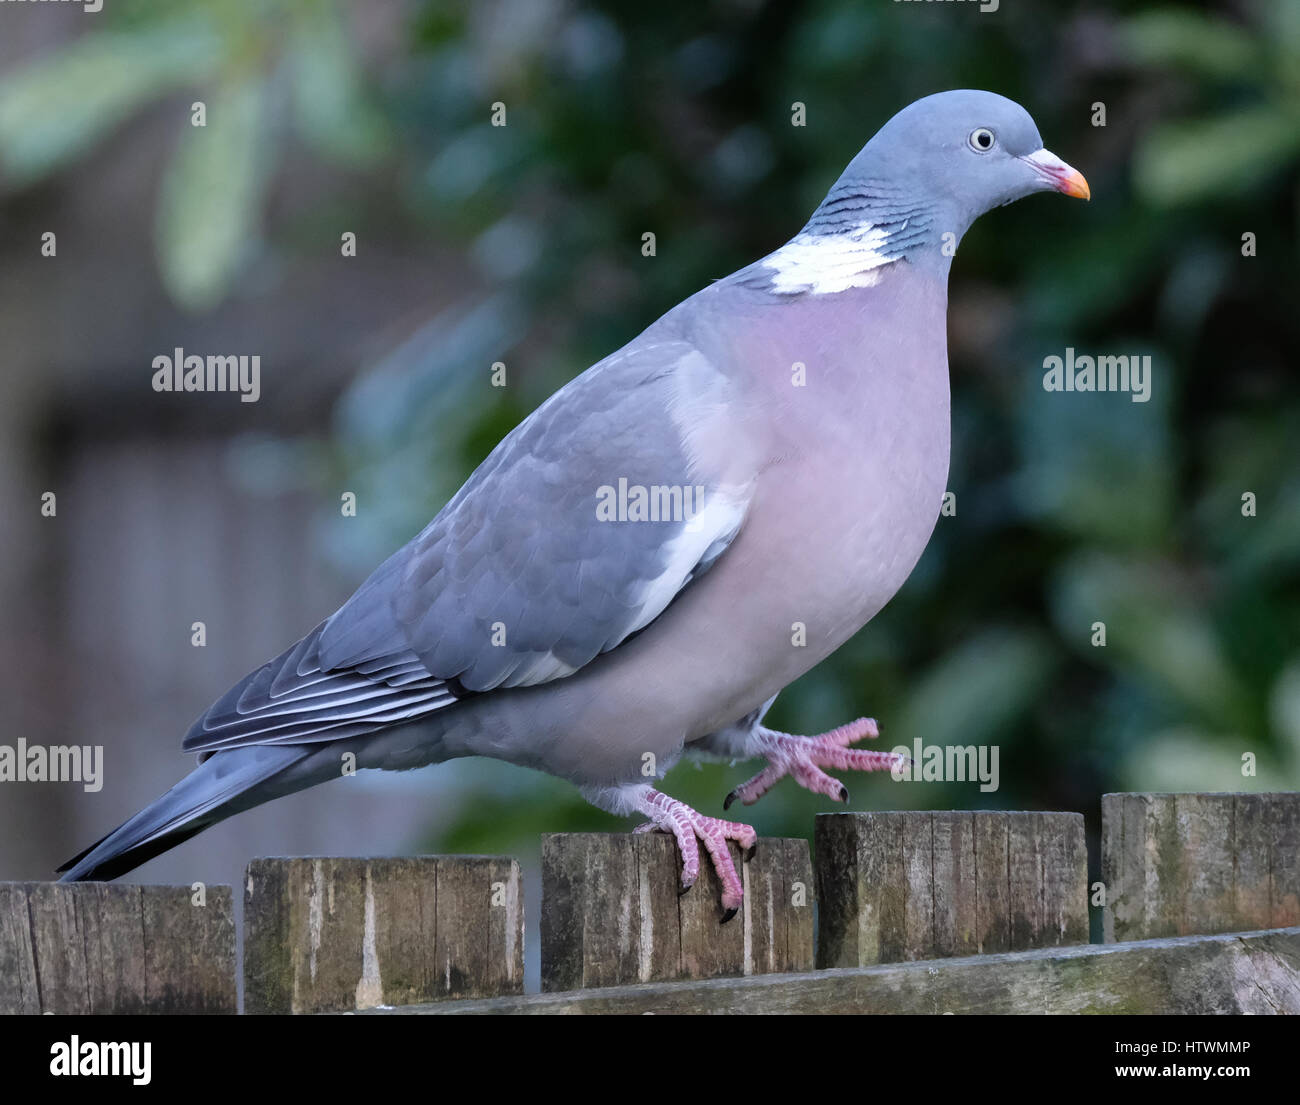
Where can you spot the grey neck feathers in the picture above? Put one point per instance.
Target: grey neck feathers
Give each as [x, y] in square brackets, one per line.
[910, 226]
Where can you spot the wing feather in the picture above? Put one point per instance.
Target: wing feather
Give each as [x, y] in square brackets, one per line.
[517, 581]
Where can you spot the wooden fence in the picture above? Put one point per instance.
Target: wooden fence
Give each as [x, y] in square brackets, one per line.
[902, 912]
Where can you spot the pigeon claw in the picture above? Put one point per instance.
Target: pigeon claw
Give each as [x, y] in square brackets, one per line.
[804, 757]
[691, 829]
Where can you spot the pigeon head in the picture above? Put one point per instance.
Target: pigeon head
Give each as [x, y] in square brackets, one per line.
[964, 152]
[915, 189]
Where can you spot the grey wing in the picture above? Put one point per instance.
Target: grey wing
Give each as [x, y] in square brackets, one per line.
[539, 564]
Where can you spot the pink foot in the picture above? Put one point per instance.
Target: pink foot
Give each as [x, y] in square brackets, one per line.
[804, 758]
[671, 816]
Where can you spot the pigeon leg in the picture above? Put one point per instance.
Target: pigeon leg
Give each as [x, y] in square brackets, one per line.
[689, 828]
[804, 758]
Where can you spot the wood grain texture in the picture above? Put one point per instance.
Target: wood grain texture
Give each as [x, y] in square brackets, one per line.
[1256, 973]
[331, 934]
[893, 887]
[1182, 864]
[116, 948]
[612, 912]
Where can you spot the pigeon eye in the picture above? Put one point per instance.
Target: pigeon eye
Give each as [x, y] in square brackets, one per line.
[981, 140]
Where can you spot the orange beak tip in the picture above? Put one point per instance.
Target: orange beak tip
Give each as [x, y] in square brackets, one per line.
[1075, 185]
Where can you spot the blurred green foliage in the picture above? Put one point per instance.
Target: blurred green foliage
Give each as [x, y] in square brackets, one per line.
[625, 118]
[234, 57]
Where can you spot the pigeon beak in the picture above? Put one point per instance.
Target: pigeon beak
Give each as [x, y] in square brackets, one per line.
[1058, 175]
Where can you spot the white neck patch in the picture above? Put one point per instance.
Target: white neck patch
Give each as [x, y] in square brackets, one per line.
[827, 263]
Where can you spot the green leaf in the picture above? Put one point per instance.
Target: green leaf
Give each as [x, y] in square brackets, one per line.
[1156, 632]
[1284, 709]
[54, 109]
[1282, 28]
[978, 690]
[1188, 758]
[330, 107]
[211, 197]
[1187, 162]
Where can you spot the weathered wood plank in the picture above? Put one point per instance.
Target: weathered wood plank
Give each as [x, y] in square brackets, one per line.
[1183, 864]
[60, 948]
[1283, 833]
[116, 948]
[778, 905]
[1024, 880]
[799, 884]
[992, 885]
[405, 937]
[184, 951]
[327, 934]
[955, 897]
[1253, 859]
[710, 949]
[1253, 973]
[480, 902]
[612, 913]
[118, 955]
[1064, 916]
[921, 885]
[915, 938]
[19, 992]
[1124, 866]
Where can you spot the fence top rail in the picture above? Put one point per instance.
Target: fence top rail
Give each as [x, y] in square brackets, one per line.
[1202, 793]
[765, 992]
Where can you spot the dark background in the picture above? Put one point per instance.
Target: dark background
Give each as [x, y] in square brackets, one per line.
[521, 244]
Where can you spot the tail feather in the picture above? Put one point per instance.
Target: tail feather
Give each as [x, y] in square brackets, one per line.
[119, 863]
[225, 783]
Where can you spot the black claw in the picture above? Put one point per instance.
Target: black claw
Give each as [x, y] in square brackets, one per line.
[752, 852]
[684, 889]
[730, 914]
[726, 802]
[844, 794]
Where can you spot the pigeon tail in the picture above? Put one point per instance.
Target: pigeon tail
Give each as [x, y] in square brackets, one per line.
[225, 783]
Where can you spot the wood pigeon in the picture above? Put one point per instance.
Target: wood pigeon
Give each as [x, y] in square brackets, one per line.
[639, 567]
